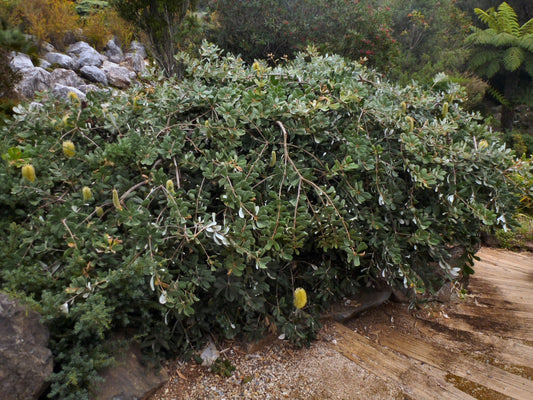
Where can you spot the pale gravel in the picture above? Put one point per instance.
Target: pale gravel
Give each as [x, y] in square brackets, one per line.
[279, 371]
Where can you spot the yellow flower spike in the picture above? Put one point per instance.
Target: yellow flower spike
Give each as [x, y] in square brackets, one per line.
[28, 172]
[69, 149]
[411, 123]
[300, 298]
[445, 109]
[170, 186]
[116, 200]
[273, 159]
[99, 211]
[73, 96]
[87, 193]
[404, 107]
[483, 144]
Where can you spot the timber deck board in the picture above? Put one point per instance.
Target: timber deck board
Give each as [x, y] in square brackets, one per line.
[485, 339]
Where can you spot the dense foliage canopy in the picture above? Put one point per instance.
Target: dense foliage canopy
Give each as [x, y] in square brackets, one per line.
[186, 208]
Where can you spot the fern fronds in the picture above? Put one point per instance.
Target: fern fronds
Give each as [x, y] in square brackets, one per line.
[487, 17]
[497, 95]
[527, 28]
[513, 58]
[508, 19]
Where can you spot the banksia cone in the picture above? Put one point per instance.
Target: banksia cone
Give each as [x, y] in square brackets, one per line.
[28, 172]
[170, 186]
[411, 123]
[87, 193]
[404, 107]
[116, 200]
[69, 149]
[99, 211]
[273, 158]
[445, 109]
[300, 298]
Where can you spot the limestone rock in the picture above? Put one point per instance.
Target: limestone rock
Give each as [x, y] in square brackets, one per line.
[94, 74]
[62, 60]
[118, 76]
[85, 54]
[130, 379]
[114, 52]
[62, 92]
[65, 77]
[137, 48]
[26, 361]
[20, 62]
[136, 62]
[77, 48]
[33, 80]
[90, 57]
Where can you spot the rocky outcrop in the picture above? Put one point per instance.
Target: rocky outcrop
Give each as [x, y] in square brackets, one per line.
[120, 77]
[81, 69]
[26, 361]
[130, 379]
[94, 74]
[33, 80]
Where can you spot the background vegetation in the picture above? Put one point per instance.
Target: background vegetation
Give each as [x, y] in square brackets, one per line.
[199, 200]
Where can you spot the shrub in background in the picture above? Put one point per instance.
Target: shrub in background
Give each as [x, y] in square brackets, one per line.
[278, 29]
[197, 207]
[100, 26]
[48, 20]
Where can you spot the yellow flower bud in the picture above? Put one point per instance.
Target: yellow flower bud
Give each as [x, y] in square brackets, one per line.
[170, 186]
[482, 144]
[445, 109]
[99, 211]
[87, 193]
[404, 107]
[411, 123]
[69, 149]
[300, 298]
[28, 172]
[116, 200]
[273, 158]
[73, 97]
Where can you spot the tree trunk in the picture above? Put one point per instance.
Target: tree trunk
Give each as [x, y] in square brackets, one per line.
[509, 91]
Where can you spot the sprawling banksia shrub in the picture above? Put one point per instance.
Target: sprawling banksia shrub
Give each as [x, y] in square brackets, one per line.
[313, 175]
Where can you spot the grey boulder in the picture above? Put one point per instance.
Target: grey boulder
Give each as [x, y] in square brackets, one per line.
[62, 60]
[20, 62]
[26, 360]
[33, 80]
[94, 74]
[63, 92]
[113, 52]
[120, 77]
[65, 77]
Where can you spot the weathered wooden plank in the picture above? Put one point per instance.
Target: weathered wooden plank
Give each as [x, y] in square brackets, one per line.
[484, 374]
[419, 384]
[435, 329]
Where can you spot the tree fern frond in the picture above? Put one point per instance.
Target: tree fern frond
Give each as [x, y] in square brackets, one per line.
[491, 69]
[487, 17]
[527, 28]
[513, 58]
[526, 43]
[482, 57]
[497, 95]
[482, 37]
[504, 39]
[508, 19]
[527, 65]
